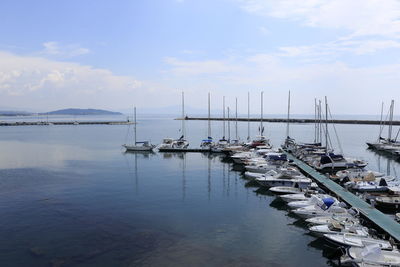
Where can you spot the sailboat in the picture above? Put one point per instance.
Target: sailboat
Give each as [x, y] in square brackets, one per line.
[208, 143]
[388, 145]
[179, 144]
[141, 145]
[261, 140]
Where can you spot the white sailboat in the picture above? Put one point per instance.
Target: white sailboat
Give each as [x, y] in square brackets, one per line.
[138, 145]
[170, 144]
[208, 143]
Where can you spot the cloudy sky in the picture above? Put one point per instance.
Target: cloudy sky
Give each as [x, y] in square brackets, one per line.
[113, 54]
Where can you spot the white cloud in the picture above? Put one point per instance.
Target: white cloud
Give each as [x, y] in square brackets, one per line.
[359, 17]
[181, 67]
[36, 81]
[56, 49]
[270, 72]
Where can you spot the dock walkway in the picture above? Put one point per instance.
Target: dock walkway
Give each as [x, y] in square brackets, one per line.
[383, 221]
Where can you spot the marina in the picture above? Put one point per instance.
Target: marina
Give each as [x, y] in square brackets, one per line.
[284, 120]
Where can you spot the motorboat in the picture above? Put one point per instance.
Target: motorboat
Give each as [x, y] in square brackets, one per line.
[294, 197]
[339, 229]
[319, 220]
[371, 255]
[327, 207]
[392, 202]
[310, 201]
[350, 240]
[295, 189]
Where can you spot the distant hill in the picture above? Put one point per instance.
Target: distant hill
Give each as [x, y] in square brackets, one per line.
[14, 113]
[78, 111]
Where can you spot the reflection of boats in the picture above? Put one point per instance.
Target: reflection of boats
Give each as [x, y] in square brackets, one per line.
[138, 146]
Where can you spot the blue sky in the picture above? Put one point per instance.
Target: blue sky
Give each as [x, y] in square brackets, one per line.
[113, 54]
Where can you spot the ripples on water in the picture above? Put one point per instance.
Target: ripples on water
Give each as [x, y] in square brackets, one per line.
[69, 196]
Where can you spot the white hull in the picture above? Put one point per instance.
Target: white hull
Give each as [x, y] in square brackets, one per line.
[138, 148]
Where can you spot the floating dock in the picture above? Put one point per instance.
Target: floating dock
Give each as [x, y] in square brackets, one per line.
[41, 123]
[369, 122]
[380, 219]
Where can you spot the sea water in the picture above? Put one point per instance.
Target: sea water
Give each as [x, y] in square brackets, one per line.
[71, 196]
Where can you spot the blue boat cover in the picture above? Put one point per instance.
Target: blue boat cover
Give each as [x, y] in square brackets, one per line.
[328, 201]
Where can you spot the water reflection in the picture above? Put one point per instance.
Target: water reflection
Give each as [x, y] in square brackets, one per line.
[16, 155]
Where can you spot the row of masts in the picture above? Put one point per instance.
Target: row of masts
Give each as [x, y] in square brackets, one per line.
[227, 109]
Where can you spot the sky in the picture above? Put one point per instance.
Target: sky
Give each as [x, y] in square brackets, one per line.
[116, 54]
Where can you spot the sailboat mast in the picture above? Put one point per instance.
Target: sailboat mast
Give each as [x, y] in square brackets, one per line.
[236, 122]
[248, 116]
[223, 114]
[380, 124]
[229, 127]
[261, 123]
[183, 115]
[391, 120]
[209, 112]
[315, 120]
[134, 120]
[326, 125]
[320, 121]
[288, 117]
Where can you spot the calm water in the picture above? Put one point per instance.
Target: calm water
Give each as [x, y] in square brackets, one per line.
[70, 196]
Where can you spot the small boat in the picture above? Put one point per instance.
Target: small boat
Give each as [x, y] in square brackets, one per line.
[339, 229]
[310, 201]
[397, 217]
[295, 189]
[333, 218]
[350, 240]
[294, 197]
[285, 190]
[138, 146]
[326, 208]
[371, 255]
[392, 202]
[169, 144]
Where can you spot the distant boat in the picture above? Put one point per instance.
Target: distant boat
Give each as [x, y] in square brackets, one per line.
[138, 145]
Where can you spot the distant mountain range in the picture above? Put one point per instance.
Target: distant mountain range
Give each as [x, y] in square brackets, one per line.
[78, 111]
[68, 111]
[14, 113]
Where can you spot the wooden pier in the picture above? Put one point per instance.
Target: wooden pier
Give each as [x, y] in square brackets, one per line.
[369, 122]
[380, 219]
[41, 123]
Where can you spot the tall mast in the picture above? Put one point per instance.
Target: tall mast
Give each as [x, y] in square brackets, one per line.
[248, 116]
[261, 123]
[223, 121]
[288, 117]
[315, 120]
[380, 124]
[326, 125]
[236, 122]
[320, 121]
[134, 121]
[209, 112]
[183, 115]
[391, 120]
[229, 127]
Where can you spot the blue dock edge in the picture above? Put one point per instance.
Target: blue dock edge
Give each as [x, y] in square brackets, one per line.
[381, 220]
